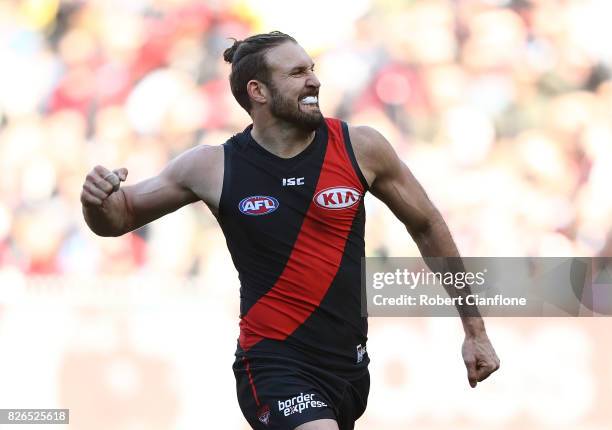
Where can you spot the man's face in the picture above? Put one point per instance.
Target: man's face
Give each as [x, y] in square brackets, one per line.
[293, 86]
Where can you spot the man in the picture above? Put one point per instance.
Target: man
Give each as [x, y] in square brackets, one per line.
[288, 194]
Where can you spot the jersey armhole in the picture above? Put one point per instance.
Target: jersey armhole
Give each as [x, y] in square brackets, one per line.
[351, 154]
[226, 179]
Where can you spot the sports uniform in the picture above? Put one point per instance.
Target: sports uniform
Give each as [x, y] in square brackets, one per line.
[295, 230]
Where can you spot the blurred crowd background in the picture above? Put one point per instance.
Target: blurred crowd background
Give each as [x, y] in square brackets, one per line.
[502, 109]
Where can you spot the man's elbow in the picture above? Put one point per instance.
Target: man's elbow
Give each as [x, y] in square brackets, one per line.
[426, 228]
[421, 231]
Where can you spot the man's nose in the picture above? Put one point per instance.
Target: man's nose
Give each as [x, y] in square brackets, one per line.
[313, 81]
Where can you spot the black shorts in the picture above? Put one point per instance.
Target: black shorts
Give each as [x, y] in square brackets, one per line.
[280, 392]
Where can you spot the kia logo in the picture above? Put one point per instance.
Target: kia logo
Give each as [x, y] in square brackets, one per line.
[337, 197]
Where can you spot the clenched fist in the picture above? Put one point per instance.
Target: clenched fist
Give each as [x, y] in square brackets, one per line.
[479, 357]
[101, 183]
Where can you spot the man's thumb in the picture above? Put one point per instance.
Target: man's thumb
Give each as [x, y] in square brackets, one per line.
[121, 173]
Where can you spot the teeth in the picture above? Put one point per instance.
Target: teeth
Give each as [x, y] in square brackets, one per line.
[310, 100]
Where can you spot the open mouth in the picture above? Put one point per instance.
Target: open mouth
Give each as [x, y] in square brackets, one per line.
[310, 101]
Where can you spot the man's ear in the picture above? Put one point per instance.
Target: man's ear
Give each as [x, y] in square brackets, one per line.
[257, 90]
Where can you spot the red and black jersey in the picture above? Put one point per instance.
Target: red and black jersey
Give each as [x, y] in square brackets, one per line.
[295, 231]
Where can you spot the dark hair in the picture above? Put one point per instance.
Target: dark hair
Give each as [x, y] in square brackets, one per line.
[247, 58]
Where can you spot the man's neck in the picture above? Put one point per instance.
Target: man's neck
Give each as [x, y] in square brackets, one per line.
[280, 138]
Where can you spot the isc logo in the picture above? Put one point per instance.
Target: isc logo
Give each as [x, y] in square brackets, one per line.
[293, 181]
[337, 197]
[258, 205]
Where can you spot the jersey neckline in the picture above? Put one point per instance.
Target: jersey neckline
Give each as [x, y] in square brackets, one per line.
[299, 156]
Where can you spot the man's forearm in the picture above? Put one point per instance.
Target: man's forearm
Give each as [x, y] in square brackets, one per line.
[109, 219]
[436, 241]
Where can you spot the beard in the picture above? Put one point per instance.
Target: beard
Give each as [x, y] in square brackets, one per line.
[288, 110]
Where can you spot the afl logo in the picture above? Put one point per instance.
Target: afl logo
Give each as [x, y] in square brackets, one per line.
[337, 197]
[258, 205]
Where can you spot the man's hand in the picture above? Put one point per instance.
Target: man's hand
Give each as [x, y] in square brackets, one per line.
[479, 357]
[101, 183]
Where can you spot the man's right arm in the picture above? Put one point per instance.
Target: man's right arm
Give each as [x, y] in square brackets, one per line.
[110, 210]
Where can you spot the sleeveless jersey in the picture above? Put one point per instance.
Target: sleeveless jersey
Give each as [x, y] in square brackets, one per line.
[295, 230]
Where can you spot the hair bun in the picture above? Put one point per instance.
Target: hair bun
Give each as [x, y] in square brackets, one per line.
[228, 54]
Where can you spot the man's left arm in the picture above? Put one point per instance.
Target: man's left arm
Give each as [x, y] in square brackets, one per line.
[393, 183]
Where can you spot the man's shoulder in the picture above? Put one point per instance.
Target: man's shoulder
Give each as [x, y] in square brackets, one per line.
[203, 154]
[200, 170]
[367, 141]
[197, 163]
[371, 148]
[365, 134]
